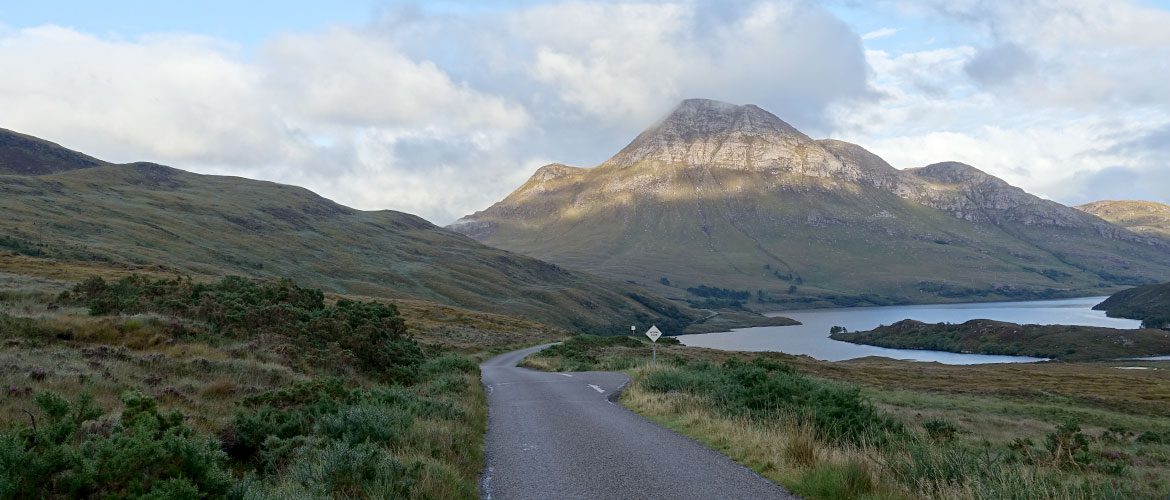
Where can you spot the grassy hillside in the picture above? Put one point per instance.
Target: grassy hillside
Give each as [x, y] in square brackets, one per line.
[904, 429]
[1059, 342]
[150, 216]
[1149, 303]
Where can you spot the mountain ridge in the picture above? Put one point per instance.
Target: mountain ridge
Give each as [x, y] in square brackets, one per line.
[752, 199]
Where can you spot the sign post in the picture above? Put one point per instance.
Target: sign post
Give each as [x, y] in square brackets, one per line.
[654, 333]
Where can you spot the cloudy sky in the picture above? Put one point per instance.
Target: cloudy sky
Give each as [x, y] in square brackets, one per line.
[441, 108]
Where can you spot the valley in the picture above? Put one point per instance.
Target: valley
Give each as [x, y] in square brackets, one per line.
[585, 250]
[307, 348]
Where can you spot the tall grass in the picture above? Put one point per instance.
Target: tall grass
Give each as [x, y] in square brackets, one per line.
[868, 456]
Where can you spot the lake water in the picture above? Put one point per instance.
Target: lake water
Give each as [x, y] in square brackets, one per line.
[812, 337]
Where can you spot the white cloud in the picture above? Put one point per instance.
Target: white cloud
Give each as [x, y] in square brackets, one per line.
[1045, 100]
[626, 63]
[352, 78]
[308, 111]
[879, 34]
[167, 97]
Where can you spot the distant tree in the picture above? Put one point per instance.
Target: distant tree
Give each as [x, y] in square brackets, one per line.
[838, 329]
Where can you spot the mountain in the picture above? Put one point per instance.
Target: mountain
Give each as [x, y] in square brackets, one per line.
[733, 197]
[27, 155]
[1145, 217]
[1148, 303]
[69, 209]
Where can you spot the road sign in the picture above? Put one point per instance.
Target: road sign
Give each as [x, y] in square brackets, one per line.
[653, 333]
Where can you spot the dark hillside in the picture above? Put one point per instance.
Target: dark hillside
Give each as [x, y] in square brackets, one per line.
[1149, 303]
[27, 155]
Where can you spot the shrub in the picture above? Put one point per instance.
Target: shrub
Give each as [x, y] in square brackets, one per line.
[581, 351]
[450, 363]
[1067, 444]
[372, 332]
[940, 430]
[147, 454]
[764, 388]
[346, 470]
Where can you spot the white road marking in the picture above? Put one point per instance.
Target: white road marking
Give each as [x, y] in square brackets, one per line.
[564, 374]
[598, 389]
[487, 484]
[610, 400]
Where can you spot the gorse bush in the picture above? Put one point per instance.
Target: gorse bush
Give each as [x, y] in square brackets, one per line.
[371, 332]
[316, 438]
[765, 389]
[71, 451]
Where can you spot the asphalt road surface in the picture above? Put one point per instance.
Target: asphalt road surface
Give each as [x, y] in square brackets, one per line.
[555, 436]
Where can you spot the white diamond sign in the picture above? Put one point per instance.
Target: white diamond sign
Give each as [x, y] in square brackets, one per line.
[653, 333]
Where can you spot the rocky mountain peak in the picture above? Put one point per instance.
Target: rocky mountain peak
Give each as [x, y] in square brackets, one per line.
[955, 173]
[708, 132]
[554, 171]
[699, 119]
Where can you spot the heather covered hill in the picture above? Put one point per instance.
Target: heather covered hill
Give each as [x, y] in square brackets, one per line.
[732, 197]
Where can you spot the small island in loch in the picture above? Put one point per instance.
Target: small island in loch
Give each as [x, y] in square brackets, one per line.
[981, 336]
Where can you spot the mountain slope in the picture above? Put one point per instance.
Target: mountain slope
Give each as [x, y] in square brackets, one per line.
[1145, 217]
[1148, 303]
[146, 214]
[732, 196]
[27, 155]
